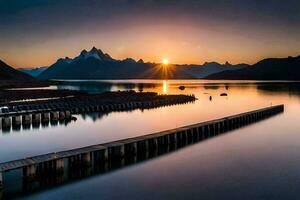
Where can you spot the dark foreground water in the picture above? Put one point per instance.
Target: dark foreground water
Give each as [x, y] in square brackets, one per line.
[260, 161]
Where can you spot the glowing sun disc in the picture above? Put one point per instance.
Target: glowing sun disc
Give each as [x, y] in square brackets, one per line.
[165, 61]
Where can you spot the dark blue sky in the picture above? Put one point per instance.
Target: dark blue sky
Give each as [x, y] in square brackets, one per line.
[37, 32]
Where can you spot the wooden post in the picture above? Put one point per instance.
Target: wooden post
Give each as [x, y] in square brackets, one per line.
[54, 116]
[68, 114]
[29, 171]
[16, 120]
[60, 165]
[86, 158]
[45, 117]
[62, 115]
[36, 118]
[6, 122]
[26, 119]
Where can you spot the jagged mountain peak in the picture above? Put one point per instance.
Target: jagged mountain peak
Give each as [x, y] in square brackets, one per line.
[95, 53]
[211, 64]
[94, 49]
[84, 54]
[98, 54]
[129, 60]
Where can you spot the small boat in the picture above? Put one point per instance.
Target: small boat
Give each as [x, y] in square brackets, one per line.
[181, 87]
[223, 94]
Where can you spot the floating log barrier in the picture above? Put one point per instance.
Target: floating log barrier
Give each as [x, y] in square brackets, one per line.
[118, 153]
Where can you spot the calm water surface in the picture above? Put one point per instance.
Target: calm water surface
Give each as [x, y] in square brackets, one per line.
[260, 161]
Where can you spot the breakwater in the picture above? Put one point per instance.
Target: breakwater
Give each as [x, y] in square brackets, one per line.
[74, 161]
[105, 102]
[41, 112]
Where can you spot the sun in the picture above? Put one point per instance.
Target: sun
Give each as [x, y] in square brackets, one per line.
[165, 61]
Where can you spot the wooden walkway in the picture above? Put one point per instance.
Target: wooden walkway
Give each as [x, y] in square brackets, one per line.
[142, 143]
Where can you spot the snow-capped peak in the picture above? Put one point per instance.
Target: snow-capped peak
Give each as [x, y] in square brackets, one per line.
[93, 53]
[87, 54]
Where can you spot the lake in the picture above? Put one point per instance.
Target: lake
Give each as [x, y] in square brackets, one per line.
[260, 161]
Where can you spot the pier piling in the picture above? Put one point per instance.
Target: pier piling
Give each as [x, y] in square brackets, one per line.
[54, 116]
[45, 117]
[86, 158]
[6, 122]
[62, 115]
[59, 165]
[29, 171]
[26, 119]
[36, 118]
[16, 120]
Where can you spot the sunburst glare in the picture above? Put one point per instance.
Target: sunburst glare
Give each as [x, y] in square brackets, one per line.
[165, 61]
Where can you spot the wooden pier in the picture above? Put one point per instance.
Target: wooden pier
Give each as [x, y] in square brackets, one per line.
[118, 151]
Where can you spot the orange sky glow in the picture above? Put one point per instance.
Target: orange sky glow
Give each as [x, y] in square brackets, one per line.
[35, 36]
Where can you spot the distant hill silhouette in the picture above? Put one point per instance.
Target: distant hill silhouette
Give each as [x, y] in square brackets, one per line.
[7, 73]
[33, 71]
[267, 69]
[95, 64]
[201, 71]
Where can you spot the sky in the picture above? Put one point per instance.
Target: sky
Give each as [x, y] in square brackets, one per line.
[36, 33]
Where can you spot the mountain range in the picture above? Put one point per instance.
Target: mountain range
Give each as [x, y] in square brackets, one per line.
[33, 71]
[267, 69]
[201, 71]
[95, 64]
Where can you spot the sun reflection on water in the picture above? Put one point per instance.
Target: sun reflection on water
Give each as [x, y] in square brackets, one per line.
[165, 87]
